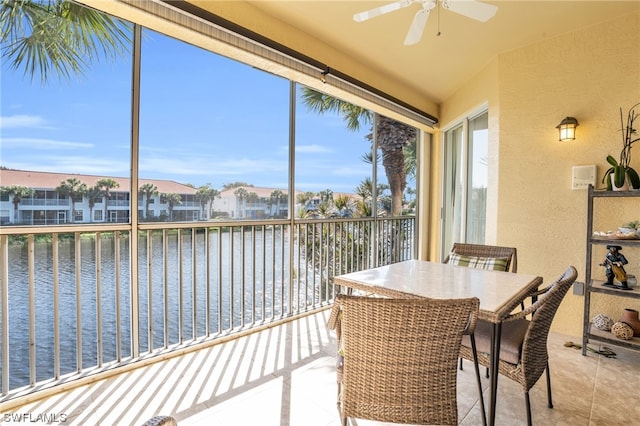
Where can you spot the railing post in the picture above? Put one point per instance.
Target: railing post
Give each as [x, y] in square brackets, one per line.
[4, 263]
[133, 235]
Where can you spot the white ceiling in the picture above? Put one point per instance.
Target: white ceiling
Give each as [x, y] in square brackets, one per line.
[438, 65]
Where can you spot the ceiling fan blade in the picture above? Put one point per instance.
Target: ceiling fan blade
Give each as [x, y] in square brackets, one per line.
[417, 27]
[471, 9]
[372, 13]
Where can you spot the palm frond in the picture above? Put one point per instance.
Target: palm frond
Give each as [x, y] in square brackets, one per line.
[58, 38]
[321, 103]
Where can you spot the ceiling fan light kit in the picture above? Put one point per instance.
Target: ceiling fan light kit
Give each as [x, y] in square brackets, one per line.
[470, 8]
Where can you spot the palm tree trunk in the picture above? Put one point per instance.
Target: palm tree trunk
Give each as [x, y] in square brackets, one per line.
[393, 162]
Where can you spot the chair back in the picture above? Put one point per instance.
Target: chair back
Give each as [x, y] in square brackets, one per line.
[400, 357]
[481, 250]
[534, 355]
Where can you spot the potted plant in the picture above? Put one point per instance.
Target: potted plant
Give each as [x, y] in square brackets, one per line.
[620, 170]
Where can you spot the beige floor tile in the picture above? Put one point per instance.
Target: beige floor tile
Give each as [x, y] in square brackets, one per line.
[286, 376]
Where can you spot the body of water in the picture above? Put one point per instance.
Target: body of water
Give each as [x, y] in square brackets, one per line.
[244, 283]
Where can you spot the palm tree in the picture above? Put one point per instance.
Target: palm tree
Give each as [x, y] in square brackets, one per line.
[172, 200]
[365, 189]
[202, 195]
[71, 188]
[411, 202]
[19, 192]
[213, 194]
[303, 197]
[148, 190]
[324, 209]
[106, 185]
[253, 199]
[276, 196]
[410, 158]
[341, 201]
[206, 194]
[392, 137]
[92, 194]
[326, 196]
[232, 185]
[363, 208]
[58, 37]
[343, 205]
[241, 195]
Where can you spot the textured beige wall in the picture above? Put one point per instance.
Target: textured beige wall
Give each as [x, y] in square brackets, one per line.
[481, 92]
[590, 75]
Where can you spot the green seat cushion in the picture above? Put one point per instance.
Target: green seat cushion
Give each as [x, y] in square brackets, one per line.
[489, 263]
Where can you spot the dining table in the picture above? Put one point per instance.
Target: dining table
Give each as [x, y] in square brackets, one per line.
[499, 294]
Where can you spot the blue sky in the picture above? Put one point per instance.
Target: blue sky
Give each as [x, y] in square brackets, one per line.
[204, 119]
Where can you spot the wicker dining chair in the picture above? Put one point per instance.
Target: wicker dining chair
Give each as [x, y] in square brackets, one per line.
[508, 256]
[487, 251]
[400, 358]
[161, 421]
[523, 344]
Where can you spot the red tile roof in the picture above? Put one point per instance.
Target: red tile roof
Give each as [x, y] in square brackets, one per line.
[47, 180]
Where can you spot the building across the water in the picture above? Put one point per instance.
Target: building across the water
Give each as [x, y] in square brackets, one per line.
[87, 199]
[45, 198]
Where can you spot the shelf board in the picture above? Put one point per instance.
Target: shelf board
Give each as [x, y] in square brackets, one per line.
[608, 337]
[605, 193]
[617, 242]
[597, 286]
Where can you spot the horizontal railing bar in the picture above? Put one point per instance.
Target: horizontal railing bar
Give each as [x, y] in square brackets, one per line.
[109, 227]
[210, 224]
[64, 229]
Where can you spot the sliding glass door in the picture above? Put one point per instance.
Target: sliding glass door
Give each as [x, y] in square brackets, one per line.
[465, 182]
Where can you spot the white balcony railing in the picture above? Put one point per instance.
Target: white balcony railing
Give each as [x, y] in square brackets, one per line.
[45, 202]
[76, 302]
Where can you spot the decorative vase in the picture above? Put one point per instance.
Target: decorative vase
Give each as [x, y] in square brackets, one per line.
[602, 322]
[630, 316]
[622, 330]
[624, 187]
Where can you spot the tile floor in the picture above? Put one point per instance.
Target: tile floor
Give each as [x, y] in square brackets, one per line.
[285, 376]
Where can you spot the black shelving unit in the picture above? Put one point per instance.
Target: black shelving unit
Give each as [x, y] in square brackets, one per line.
[590, 332]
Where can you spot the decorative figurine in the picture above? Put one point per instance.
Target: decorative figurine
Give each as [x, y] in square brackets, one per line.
[613, 263]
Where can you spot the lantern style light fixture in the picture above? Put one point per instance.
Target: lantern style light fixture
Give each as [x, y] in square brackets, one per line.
[567, 129]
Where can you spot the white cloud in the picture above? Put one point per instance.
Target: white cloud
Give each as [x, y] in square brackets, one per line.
[22, 120]
[313, 149]
[74, 164]
[44, 144]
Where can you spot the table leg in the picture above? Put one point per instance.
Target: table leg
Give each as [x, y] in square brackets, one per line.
[496, 332]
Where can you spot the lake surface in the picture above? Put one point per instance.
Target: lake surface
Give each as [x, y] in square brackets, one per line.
[244, 283]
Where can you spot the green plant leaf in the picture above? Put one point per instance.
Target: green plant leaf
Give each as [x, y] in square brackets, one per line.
[612, 161]
[606, 179]
[619, 175]
[633, 178]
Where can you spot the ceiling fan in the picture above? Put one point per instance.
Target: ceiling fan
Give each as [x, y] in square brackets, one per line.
[470, 8]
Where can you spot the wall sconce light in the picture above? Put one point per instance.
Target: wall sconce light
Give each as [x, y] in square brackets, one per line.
[567, 129]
